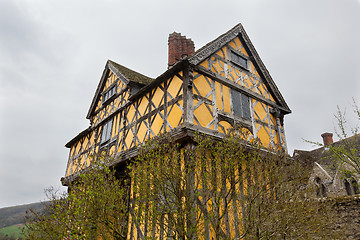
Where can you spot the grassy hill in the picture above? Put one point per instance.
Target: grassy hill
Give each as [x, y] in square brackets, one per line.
[11, 231]
[10, 216]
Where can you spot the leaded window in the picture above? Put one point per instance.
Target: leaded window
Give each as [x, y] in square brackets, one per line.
[106, 131]
[240, 104]
[108, 94]
[239, 60]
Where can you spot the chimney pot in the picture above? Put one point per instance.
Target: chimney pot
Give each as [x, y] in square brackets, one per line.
[327, 138]
[179, 47]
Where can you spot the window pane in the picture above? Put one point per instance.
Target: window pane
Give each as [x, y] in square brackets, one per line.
[106, 131]
[240, 104]
[109, 93]
[236, 58]
[109, 128]
[236, 102]
[103, 134]
[245, 106]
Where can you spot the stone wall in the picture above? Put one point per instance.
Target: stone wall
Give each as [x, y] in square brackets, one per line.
[348, 213]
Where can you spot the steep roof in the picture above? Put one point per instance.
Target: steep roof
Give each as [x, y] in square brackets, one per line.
[129, 74]
[324, 155]
[238, 30]
[125, 74]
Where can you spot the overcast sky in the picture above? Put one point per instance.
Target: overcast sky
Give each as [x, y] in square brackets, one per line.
[52, 54]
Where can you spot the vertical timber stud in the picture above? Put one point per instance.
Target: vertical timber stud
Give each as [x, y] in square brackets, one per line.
[276, 113]
[188, 94]
[190, 186]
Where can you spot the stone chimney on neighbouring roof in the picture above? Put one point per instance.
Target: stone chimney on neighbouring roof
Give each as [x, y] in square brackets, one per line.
[327, 138]
[179, 47]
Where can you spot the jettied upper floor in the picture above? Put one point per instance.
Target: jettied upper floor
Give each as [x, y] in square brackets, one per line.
[221, 85]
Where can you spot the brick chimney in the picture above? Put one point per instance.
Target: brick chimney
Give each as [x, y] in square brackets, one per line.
[179, 47]
[327, 138]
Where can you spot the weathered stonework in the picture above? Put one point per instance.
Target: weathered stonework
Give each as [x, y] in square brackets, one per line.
[348, 217]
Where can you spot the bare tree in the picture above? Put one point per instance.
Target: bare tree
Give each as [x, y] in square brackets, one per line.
[96, 206]
[347, 151]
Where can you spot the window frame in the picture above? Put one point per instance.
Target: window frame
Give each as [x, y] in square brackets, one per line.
[107, 130]
[109, 93]
[234, 55]
[242, 103]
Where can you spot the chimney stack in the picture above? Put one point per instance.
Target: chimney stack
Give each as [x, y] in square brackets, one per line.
[327, 138]
[179, 47]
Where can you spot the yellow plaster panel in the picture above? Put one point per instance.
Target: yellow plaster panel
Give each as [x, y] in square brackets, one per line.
[259, 110]
[263, 136]
[78, 145]
[121, 86]
[205, 64]
[175, 115]
[252, 68]
[126, 95]
[143, 105]
[243, 51]
[67, 172]
[112, 151]
[120, 141]
[72, 150]
[235, 43]
[222, 53]
[85, 143]
[157, 123]
[98, 105]
[175, 86]
[81, 161]
[114, 126]
[226, 96]
[218, 95]
[92, 138]
[157, 97]
[232, 74]
[202, 86]
[224, 125]
[129, 138]
[218, 67]
[248, 81]
[142, 131]
[131, 113]
[203, 115]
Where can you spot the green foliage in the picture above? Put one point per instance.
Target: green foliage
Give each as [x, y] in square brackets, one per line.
[94, 207]
[11, 232]
[229, 189]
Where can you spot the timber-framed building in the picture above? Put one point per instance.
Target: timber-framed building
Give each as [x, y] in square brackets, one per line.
[223, 84]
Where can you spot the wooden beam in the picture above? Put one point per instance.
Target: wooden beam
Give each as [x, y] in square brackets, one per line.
[231, 84]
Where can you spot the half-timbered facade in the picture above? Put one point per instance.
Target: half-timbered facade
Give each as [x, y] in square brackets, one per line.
[210, 90]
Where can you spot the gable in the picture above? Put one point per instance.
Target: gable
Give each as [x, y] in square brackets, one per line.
[218, 57]
[115, 87]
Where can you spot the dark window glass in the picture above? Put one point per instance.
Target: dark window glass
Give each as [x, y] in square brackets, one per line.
[236, 102]
[106, 131]
[347, 187]
[355, 186]
[109, 93]
[239, 60]
[241, 104]
[245, 103]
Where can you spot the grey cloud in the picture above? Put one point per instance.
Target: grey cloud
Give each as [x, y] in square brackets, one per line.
[52, 57]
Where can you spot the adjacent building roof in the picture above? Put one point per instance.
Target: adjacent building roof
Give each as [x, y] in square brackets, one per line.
[324, 156]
